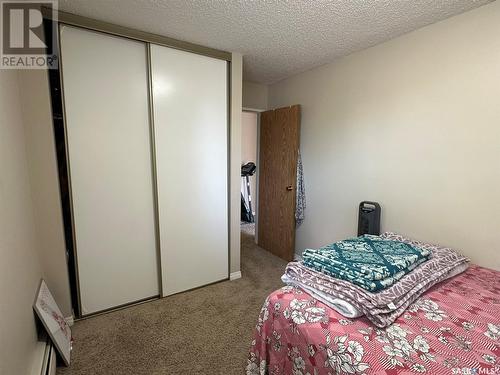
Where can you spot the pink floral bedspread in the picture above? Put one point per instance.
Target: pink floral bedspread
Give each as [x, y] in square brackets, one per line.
[454, 328]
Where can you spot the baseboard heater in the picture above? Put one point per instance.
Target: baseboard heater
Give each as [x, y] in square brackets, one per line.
[49, 362]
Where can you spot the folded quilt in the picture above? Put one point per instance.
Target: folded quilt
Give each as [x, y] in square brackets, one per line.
[371, 262]
[384, 307]
[340, 305]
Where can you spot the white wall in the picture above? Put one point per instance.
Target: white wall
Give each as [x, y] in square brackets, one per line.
[20, 269]
[42, 162]
[235, 159]
[255, 95]
[414, 124]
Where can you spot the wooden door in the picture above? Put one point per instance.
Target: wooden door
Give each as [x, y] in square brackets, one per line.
[279, 145]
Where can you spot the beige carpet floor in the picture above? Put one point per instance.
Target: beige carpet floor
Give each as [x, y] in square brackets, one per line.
[205, 331]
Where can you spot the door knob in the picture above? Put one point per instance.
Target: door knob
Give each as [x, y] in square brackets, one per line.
[289, 188]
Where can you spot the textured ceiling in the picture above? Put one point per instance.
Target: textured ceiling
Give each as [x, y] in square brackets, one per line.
[278, 38]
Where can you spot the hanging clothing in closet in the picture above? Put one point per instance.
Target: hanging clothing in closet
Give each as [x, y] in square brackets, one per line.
[300, 206]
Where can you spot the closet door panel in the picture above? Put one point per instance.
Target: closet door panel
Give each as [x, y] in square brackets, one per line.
[190, 112]
[108, 133]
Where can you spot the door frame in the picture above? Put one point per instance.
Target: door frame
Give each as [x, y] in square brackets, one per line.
[257, 182]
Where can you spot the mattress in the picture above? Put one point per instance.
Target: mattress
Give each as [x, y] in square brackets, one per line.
[453, 328]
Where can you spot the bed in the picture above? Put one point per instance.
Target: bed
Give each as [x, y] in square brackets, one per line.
[454, 328]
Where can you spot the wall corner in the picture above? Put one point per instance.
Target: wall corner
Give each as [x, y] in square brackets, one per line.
[236, 74]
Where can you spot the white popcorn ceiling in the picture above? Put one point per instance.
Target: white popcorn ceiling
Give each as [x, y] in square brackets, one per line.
[277, 38]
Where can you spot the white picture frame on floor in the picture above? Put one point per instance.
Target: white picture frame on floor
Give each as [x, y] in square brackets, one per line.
[54, 322]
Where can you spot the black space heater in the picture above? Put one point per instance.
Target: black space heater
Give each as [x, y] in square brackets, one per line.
[369, 218]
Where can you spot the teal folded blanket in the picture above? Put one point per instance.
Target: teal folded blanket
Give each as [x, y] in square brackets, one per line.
[370, 262]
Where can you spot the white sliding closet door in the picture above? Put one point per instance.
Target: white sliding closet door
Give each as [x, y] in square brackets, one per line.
[108, 132]
[190, 112]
